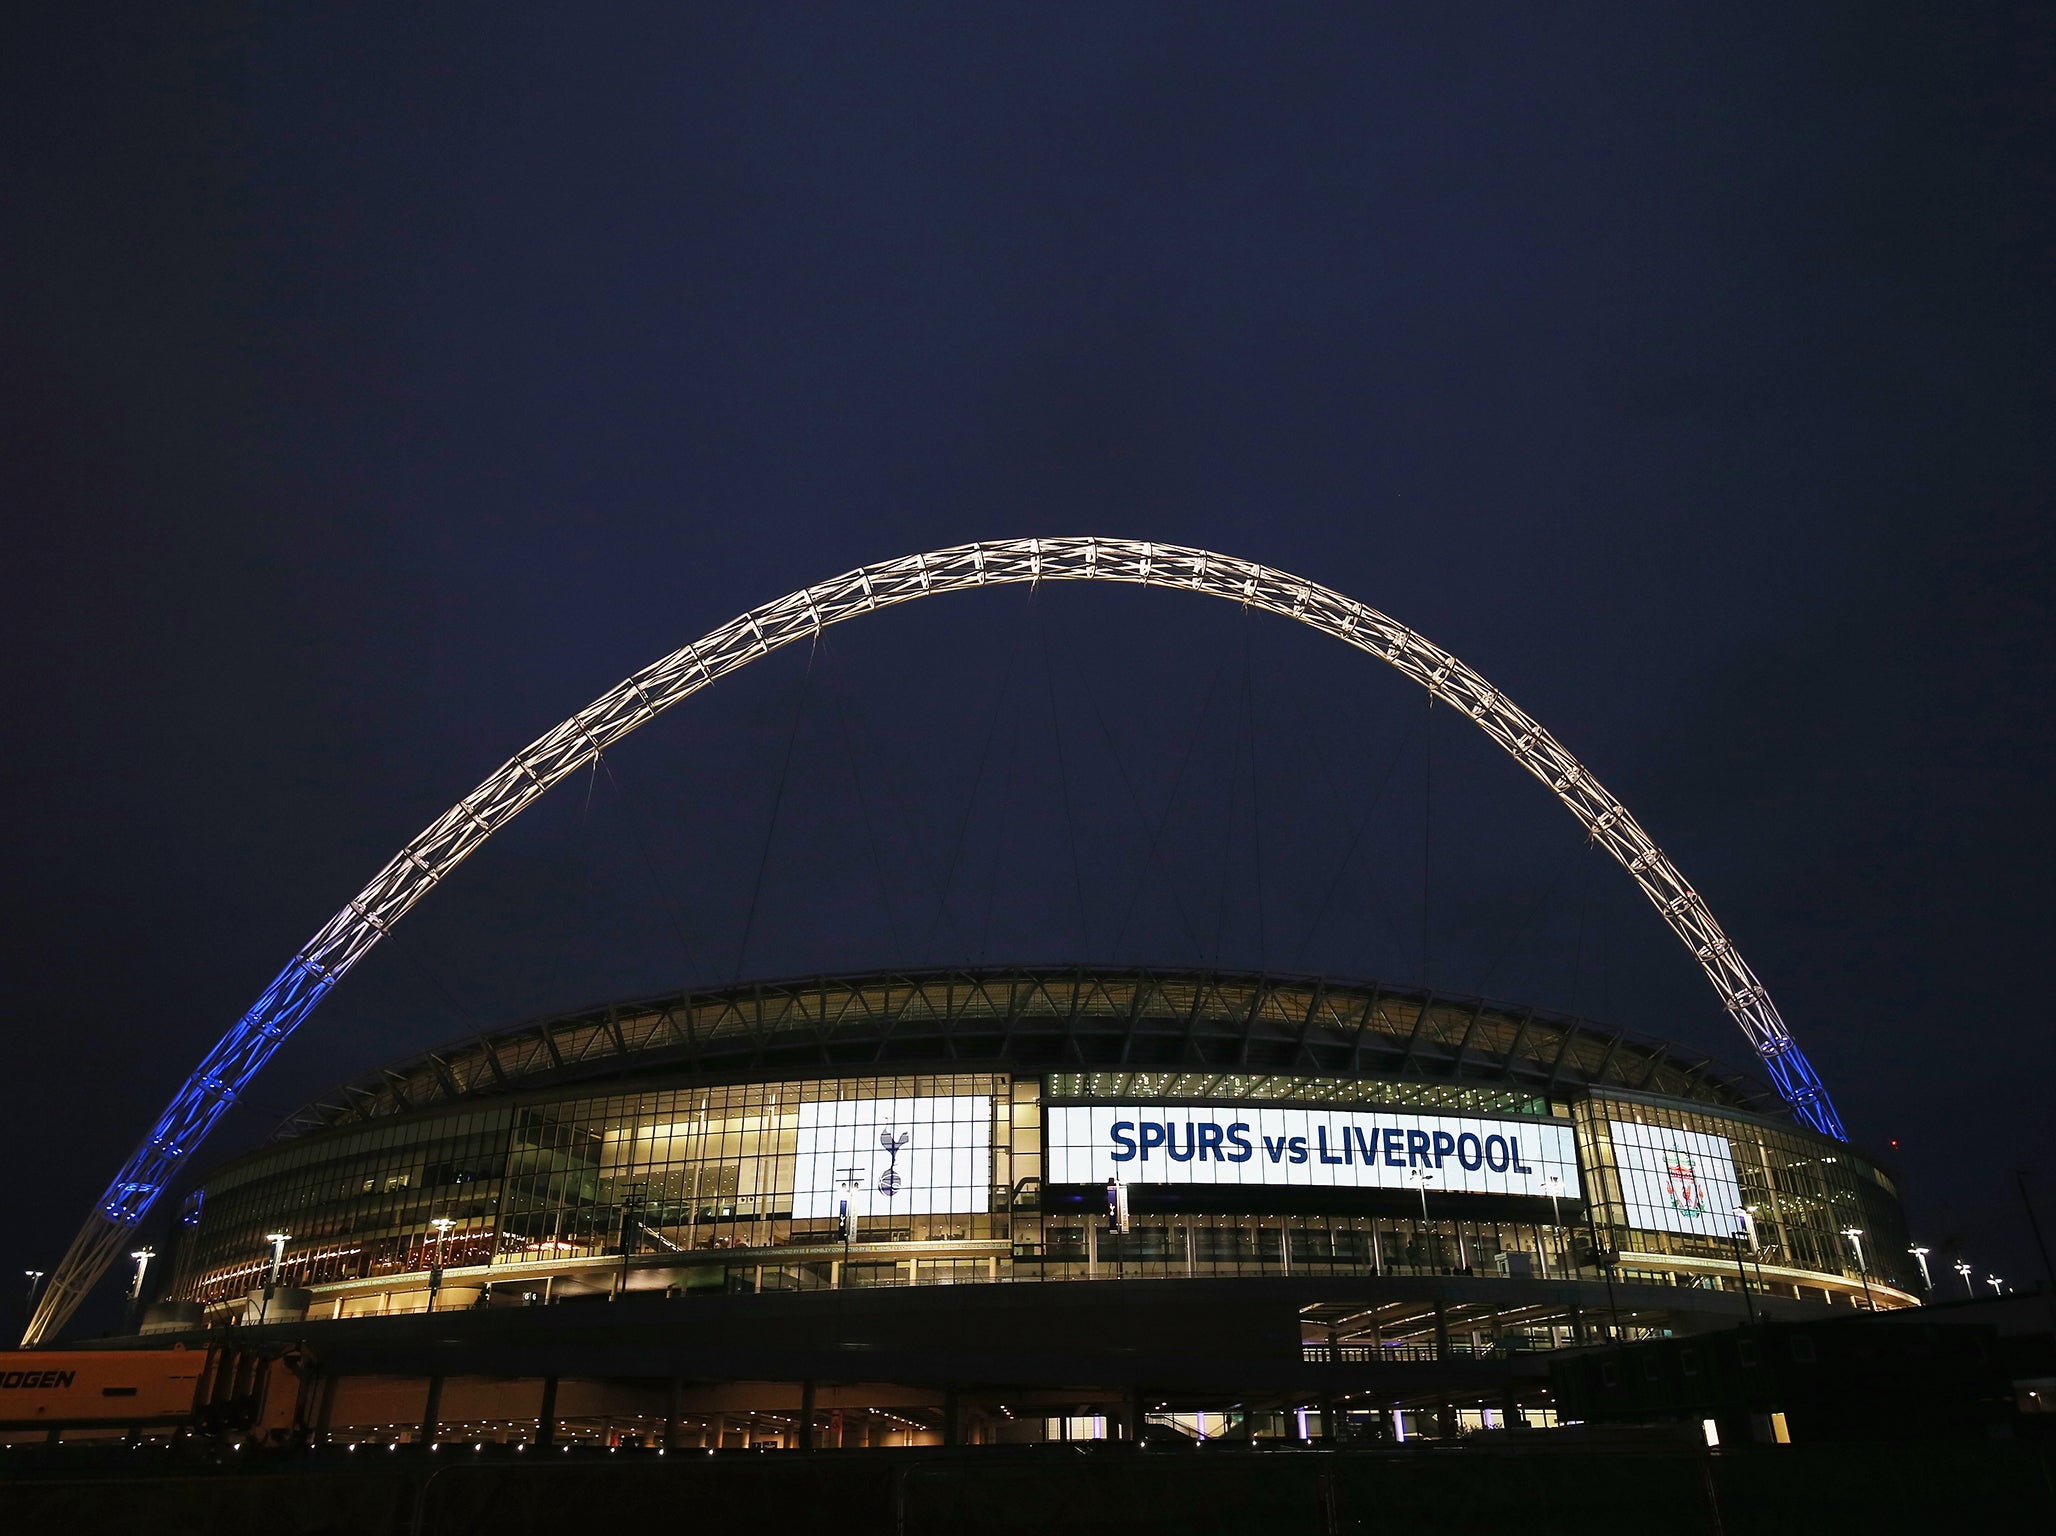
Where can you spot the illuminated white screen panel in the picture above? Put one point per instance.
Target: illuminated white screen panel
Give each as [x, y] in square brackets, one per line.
[1315, 1148]
[1676, 1181]
[894, 1157]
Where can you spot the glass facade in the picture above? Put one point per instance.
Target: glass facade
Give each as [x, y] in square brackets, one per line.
[1804, 1193]
[943, 1176]
[683, 1171]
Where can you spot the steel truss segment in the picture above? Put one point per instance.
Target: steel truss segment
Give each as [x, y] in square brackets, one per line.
[452, 837]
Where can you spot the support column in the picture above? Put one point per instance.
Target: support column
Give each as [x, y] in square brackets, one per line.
[1331, 1420]
[1441, 1327]
[546, 1416]
[806, 1435]
[432, 1411]
[671, 1391]
[1137, 1411]
[952, 1416]
[324, 1415]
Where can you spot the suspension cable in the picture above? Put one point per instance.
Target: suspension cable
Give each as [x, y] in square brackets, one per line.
[849, 753]
[1009, 798]
[1149, 859]
[1521, 929]
[1056, 736]
[1427, 841]
[649, 866]
[792, 736]
[956, 851]
[1228, 830]
[1199, 724]
[1256, 812]
[1578, 951]
[1353, 849]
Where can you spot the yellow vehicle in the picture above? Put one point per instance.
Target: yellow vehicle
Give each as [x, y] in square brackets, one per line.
[215, 1390]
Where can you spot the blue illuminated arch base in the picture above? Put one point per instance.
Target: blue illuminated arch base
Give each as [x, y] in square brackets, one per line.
[424, 862]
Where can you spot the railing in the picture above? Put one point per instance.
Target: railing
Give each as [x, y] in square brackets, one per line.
[1413, 1353]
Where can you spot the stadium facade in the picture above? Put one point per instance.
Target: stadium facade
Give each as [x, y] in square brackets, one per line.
[1016, 1204]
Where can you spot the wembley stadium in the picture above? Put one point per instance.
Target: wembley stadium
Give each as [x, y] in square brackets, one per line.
[967, 1206]
[1289, 1207]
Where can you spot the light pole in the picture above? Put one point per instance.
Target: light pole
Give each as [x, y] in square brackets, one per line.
[1855, 1236]
[35, 1278]
[1755, 1248]
[442, 1225]
[278, 1241]
[1920, 1257]
[1995, 1283]
[1963, 1269]
[142, 1256]
[1606, 1259]
[1421, 1179]
[850, 1179]
[1553, 1183]
[1749, 1223]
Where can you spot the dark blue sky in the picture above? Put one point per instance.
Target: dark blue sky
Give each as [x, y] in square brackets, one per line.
[378, 386]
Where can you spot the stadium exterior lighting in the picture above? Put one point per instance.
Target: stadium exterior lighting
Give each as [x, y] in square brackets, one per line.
[1995, 1283]
[1920, 1257]
[1747, 1218]
[442, 1225]
[1748, 1226]
[1855, 1236]
[278, 1241]
[1421, 1178]
[578, 741]
[1963, 1269]
[1554, 1184]
[142, 1256]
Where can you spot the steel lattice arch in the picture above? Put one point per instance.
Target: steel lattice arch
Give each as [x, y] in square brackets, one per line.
[424, 862]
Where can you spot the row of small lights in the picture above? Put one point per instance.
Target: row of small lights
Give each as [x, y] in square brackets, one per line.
[1182, 1085]
[443, 1224]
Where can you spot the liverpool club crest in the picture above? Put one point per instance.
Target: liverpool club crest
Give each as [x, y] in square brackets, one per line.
[1681, 1183]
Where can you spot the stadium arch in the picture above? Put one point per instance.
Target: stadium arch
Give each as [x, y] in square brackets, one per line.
[423, 863]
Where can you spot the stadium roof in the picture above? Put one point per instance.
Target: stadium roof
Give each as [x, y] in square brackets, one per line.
[1035, 1019]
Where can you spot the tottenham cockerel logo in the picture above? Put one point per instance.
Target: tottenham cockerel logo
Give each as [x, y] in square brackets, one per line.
[1682, 1185]
[889, 1181]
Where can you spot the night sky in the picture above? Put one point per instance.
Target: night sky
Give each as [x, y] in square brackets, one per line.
[378, 386]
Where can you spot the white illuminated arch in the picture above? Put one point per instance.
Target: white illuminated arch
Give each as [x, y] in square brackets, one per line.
[459, 831]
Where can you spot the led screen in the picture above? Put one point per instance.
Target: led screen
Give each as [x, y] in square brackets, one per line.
[1676, 1181]
[894, 1157]
[1344, 1149]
